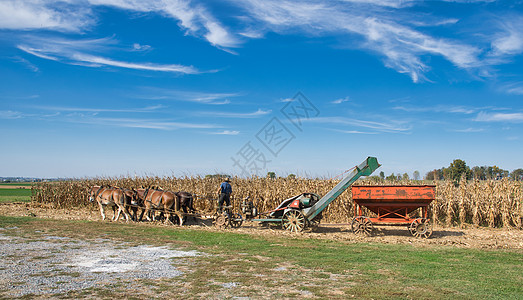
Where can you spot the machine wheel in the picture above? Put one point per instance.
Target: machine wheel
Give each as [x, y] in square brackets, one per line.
[294, 221]
[421, 227]
[315, 222]
[362, 226]
[236, 220]
[222, 221]
[176, 219]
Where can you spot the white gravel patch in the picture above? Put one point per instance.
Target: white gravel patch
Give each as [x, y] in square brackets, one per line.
[58, 264]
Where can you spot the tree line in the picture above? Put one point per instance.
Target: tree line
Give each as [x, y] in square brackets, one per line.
[459, 168]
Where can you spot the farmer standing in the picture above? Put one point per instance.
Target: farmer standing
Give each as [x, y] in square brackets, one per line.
[225, 192]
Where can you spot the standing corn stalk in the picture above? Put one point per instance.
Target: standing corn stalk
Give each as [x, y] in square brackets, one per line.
[462, 199]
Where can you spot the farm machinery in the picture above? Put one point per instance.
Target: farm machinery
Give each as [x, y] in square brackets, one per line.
[301, 211]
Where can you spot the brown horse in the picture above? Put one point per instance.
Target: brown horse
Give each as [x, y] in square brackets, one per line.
[152, 199]
[157, 200]
[186, 201]
[132, 202]
[109, 196]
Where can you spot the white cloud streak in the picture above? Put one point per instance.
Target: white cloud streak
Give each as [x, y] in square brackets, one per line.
[256, 114]
[391, 127]
[499, 117]
[74, 52]
[226, 132]
[382, 31]
[153, 93]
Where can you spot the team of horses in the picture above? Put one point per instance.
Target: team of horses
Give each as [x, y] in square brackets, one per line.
[171, 205]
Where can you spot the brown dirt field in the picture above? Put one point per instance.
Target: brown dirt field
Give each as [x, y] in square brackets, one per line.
[13, 187]
[470, 237]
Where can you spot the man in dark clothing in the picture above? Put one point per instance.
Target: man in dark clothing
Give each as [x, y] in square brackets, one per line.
[225, 192]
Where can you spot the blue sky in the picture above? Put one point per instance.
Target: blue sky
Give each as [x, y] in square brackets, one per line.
[180, 87]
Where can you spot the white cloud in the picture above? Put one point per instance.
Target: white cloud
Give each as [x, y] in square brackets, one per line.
[227, 132]
[195, 19]
[138, 123]
[9, 114]
[44, 14]
[341, 100]
[154, 93]
[96, 61]
[470, 130]
[138, 47]
[514, 88]
[383, 31]
[255, 114]
[390, 127]
[75, 52]
[438, 109]
[510, 40]
[499, 117]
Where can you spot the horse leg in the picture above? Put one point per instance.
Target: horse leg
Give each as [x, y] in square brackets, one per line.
[115, 217]
[102, 211]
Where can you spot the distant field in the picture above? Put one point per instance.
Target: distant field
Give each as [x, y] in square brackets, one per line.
[27, 184]
[12, 193]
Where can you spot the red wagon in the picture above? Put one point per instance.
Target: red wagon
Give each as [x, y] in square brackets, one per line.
[393, 205]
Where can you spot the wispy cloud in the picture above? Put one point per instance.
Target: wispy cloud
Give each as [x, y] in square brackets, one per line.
[341, 100]
[390, 127]
[154, 108]
[195, 19]
[499, 117]
[515, 88]
[469, 130]
[9, 114]
[509, 40]
[255, 114]
[142, 123]
[385, 32]
[79, 52]
[153, 93]
[354, 131]
[64, 16]
[438, 109]
[226, 132]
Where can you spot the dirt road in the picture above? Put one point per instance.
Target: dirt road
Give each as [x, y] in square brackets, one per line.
[483, 238]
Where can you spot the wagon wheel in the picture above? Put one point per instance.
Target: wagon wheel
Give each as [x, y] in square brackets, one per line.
[294, 221]
[421, 227]
[361, 225]
[222, 221]
[236, 220]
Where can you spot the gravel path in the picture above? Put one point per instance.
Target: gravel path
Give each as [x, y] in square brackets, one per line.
[54, 264]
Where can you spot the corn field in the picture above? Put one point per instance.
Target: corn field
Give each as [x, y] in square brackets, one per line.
[495, 203]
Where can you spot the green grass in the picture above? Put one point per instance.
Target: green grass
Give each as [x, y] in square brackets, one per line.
[365, 270]
[15, 195]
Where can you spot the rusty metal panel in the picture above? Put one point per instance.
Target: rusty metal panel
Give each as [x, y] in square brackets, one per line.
[398, 194]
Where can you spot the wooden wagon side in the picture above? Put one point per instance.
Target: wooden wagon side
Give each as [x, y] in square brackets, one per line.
[393, 205]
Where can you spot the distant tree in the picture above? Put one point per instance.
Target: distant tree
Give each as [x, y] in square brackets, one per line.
[405, 176]
[479, 172]
[496, 172]
[415, 175]
[517, 174]
[436, 174]
[291, 176]
[217, 176]
[382, 175]
[271, 175]
[391, 177]
[456, 168]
